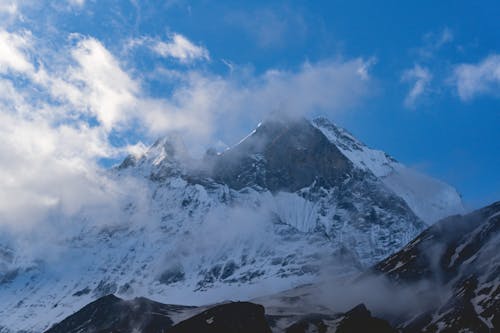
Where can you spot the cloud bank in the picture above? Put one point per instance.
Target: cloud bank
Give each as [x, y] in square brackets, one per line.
[63, 111]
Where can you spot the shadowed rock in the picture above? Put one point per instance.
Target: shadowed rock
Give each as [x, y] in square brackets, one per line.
[359, 319]
[110, 314]
[237, 317]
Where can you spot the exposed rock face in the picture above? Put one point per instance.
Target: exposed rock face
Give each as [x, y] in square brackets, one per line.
[283, 156]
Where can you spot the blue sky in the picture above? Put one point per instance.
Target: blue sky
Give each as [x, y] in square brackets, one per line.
[85, 82]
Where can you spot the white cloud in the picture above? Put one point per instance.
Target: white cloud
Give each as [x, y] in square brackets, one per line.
[108, 91]
[12, 52]
[420, 78]
[482, 78]
[48, 156]
[43, 166]
[177, 47]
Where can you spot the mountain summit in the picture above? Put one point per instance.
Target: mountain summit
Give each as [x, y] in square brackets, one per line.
[282, 156]
[293, 200]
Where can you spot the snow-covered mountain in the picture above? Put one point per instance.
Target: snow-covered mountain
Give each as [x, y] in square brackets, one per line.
[293, 200]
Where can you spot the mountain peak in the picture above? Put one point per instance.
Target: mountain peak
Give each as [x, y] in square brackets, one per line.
[282, 154]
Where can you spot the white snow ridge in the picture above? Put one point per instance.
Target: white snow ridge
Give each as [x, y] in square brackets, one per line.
[429, 198]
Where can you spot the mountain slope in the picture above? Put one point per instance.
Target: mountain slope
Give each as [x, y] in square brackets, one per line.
[459, 257]
[275, 211]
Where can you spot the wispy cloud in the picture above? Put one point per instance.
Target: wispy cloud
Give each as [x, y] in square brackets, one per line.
[12, 55]
[420, 78]
[425, 76]
[475, 79]
[434, 41]
[180, 48]
[177, 47]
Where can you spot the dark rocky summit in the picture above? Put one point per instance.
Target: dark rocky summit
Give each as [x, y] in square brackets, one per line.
[282, 155]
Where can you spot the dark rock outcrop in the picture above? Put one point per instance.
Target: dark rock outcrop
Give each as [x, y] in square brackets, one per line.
[110, 314]
[240, 317]
[359, 319]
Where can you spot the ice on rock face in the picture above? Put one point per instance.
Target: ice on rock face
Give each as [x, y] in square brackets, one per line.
[266, 215]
